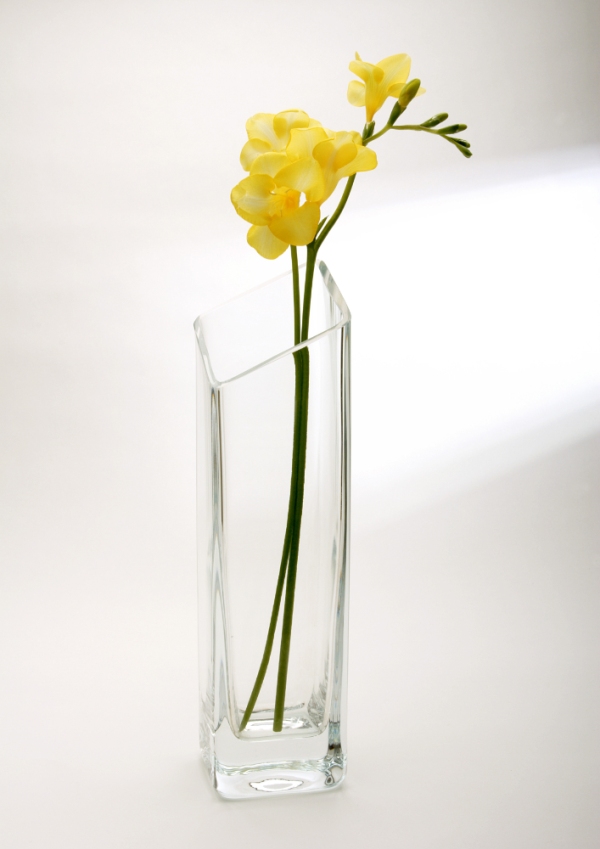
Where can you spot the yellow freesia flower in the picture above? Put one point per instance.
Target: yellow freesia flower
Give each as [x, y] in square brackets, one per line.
[380, 81]
[321, 158]
[267, 132]
[340, 157]
[273, 208]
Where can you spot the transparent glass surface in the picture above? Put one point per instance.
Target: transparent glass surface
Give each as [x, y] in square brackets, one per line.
[245, 424]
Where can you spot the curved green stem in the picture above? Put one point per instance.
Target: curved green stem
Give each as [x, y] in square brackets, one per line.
[378, 135]
[262, 671]
[464, 147]
[420, 129]
[264, 664]
[302, 358]
[417, 128]
[302, 362]
[333, 218]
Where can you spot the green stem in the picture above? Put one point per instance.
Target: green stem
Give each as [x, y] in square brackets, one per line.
[288, 608]
[262, 671]
[439, 133]
[302, 357]
[419, 128]
[340, 208]
[416, 128]
[296, 286]
[378, 135]
[311, 258]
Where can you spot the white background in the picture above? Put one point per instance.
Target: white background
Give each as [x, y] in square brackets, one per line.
[474, 291]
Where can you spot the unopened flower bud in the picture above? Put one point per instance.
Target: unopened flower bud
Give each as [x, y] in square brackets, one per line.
[395, 113]
[453, 128]
[408, 93]
[437, 119]
[369, 129]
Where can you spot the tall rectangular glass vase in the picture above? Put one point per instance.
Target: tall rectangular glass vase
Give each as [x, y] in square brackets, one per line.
[247, 391]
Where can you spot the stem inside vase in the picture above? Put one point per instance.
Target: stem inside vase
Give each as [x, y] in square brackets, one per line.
[291, 546]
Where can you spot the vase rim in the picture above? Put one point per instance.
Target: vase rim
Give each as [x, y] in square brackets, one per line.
[336, 296]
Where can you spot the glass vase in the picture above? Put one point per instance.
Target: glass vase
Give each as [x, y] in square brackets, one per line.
[248, 393]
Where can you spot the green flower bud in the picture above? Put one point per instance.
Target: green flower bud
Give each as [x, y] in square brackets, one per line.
[453, 128]
[395, 113]
[408, 93]
[437, 119]
[369, 130]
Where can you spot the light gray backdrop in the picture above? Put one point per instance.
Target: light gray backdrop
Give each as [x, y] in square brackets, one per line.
[474, 288]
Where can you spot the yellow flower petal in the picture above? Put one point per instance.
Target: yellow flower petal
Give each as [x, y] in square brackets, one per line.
[254, 199]
[269, 163]
[304, 175]
[302, 141]
[356, 93]
[297, 226]
[237, 193]
[325, 152]
[395, 69]
[260, 126]
[284, 122]
[365, 160]
[366, 71]
[263, 241]
[252, 149]
[343, 155]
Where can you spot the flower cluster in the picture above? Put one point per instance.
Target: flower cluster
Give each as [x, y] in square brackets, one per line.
[295, 164]
[289, 155]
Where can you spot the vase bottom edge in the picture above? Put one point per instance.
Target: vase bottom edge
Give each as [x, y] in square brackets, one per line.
[270, 779]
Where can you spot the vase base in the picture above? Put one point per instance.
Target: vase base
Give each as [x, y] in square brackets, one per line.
[277, 778]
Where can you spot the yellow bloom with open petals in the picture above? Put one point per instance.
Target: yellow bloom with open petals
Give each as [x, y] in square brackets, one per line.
[337, 155]
[274, 210]
[380, 81]
[342, 156]
[303, 170]
[271, 133]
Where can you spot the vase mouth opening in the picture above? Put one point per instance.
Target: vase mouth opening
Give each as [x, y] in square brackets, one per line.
[255, 329]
